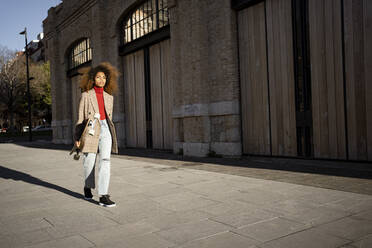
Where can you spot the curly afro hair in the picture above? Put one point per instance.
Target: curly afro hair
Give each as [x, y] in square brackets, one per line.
[89, 73]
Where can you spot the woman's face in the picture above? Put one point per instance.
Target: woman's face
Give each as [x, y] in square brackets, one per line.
[100, 79]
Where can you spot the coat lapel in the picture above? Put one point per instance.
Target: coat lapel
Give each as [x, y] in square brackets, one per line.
[93, 99]
[106, 99]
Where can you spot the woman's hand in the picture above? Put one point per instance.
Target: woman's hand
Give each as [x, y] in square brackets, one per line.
[77, 143]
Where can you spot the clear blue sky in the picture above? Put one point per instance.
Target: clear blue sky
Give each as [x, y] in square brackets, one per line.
[18, 14]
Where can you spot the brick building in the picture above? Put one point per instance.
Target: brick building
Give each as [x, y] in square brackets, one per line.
[226, 77]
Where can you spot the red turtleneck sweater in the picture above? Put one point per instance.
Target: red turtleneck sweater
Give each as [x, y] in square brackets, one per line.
[101, 103]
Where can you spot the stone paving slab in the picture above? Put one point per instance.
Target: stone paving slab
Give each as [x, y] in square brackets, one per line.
[290, 206]
[134, 212]
[230, 208]
[309, 238]
[147, 240]
[349, 228]
[184, 201]
[367, 215]
[116, 234]
[168, 221]
[270, 229]
[223, 240]
[72, 241]
[29, 223]
[167, 203]
[262, 196]
[363, 242]
[77, 221]
[23, 239]
[353, 203]
[317, 215]
[240, 219]
[184, 233]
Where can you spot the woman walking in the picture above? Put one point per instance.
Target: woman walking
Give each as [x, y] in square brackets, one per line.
[96, 105]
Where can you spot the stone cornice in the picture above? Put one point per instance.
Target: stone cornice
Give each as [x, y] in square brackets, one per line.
[82, 9]
[67, 19]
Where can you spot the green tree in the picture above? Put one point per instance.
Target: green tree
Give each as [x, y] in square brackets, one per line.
[41, 90]
[12, 85]
[13, 88]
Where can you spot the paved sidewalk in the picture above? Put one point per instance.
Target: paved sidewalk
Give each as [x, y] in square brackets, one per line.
[165, 203]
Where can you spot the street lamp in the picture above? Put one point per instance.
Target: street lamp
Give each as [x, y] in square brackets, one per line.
[28, 86]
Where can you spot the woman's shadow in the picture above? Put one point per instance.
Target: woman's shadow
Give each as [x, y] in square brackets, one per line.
[7, 173]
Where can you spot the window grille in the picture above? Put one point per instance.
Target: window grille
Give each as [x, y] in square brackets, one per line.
[148, 17]
[80, 54]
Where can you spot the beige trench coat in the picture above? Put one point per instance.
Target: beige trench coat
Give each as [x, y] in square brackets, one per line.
[87, 108]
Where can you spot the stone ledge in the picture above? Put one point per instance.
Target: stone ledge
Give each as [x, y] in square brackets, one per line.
[196, 149]
[227, 148]
[207, 109]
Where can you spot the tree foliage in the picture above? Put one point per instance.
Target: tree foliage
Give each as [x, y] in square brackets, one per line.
[40, 88]
[13, 88]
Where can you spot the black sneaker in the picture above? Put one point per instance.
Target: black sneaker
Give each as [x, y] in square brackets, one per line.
[88, 194]
[106, 202]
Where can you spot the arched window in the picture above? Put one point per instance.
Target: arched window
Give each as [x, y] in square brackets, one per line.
[148, 17]
[80, 54]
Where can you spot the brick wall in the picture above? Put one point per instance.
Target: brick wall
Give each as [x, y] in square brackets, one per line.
[205, 68]
[206, 82]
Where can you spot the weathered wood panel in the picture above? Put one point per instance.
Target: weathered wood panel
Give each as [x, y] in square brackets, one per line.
[253, 80]
[325, 33]
[156, 97]
[167, 87]
[135, 107]
[130, 100]
[358, 73]
[140, 103]
[281, 77]
[161, 96]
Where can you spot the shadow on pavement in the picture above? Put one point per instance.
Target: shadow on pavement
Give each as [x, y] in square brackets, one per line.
[362, 170]
[42, 144]
[7, 173]
[352, 169]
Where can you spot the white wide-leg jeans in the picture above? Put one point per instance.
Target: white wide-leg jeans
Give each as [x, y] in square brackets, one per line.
[89, 160]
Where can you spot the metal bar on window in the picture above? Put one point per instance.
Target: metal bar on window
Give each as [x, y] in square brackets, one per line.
[86, 50]
[142, 20]
[157, 14]
[131, 28]
[149, 16]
